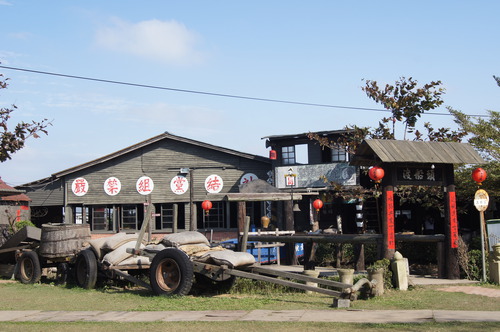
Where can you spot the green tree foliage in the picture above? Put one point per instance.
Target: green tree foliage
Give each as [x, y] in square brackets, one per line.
[406, 101]
[483, 135]
[13, 140]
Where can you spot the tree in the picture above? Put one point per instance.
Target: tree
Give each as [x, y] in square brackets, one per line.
[405, 100]
[484, 135]
[14, 140]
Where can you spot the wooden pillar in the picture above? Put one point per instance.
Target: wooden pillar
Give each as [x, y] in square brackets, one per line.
[289, 222]
[175, 217]
[451, 225]
[389, 238]
[192, 204]
[241, 214]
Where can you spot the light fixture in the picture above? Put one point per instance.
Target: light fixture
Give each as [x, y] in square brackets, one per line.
[296, 208]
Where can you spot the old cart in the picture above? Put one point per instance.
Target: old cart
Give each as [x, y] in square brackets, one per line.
[172, 265]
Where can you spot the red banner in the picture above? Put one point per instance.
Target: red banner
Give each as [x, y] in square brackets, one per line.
[453, 219]
[391, 239]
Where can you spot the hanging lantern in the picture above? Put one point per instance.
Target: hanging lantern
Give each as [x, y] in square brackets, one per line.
[479, 175]
[376, 173]
[318, 204]
[206, 205]
[273, 155]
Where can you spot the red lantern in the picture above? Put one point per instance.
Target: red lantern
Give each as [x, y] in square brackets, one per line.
[479, 175]
[273, 155]
[318, 204]
[206, 205]
[376, 173]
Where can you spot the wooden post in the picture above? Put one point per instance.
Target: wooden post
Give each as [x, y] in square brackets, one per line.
[389, 240]
[192, 204]
[175, 217]
[241, 214]
[451, 228]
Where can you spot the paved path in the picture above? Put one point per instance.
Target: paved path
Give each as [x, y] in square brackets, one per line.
[344, 316]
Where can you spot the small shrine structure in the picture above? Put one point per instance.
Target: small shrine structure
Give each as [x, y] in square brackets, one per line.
[422, 164]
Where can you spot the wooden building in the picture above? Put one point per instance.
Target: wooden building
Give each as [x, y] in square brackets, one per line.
[15, 205]
[173, 174]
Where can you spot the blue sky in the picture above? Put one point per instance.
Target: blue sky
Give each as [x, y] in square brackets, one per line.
[306, 51]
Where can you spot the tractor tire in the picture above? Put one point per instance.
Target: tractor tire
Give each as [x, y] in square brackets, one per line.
[171, 273]
[29, 270]
[86, 269]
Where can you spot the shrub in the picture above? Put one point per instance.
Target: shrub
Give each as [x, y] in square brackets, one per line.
[384, 264]
[18, 225]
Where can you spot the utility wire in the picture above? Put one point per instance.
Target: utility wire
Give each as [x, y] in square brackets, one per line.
[211, 93]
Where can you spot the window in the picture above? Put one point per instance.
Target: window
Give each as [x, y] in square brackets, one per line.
[129, 217]
[215, 217]
[334, 155]
[288, 155]
[167, 217]
[102, 218]
[339, 154]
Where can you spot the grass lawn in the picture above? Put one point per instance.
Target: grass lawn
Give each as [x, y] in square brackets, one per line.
[46, 296]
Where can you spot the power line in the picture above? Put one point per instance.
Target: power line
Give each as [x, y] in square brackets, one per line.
[210, 93]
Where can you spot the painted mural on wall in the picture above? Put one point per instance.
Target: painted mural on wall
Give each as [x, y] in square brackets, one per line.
[310, 176]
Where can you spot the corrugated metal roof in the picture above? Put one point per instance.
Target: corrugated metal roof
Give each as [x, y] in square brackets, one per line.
[395, 151]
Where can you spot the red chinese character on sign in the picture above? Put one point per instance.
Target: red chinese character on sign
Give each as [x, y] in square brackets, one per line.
[179, 183]
[144, 185]
[112, 186]
[391, 239]
[80, 186]
[213, 184]
[453, 220]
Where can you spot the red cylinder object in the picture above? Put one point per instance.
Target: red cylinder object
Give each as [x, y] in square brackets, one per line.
[273, 155]
[318, 204]
[206, 205]
[479, 175]
[376, 173]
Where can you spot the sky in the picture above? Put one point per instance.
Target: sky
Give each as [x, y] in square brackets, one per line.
[194, 52]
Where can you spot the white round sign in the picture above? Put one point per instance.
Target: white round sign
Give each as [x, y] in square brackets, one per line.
[144, 185]
[214, 184]
[179, 185]
[80, 186]
[248, 177]
[481, 200]
[112, 186]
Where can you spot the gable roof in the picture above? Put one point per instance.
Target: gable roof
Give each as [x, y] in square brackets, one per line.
[155, 139]
[8, 193]
[374, 151]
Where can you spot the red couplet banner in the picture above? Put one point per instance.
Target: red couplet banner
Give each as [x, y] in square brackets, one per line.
[453, 219]
[391, 239]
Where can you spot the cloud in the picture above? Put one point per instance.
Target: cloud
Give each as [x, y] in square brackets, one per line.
[164, 41]
[5, 3]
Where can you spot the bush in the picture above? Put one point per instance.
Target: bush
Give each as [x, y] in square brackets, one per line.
[18, 225]
[386, 265]
[475, 264]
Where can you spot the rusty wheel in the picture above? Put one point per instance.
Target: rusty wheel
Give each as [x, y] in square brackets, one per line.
[29, 270]
[171, 273]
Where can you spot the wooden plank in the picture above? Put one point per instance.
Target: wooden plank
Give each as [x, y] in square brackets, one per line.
[257, 197]
[291, 275]
[132, 279]
[292, 284]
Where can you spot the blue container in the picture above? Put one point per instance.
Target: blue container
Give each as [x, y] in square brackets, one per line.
[267, 255]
